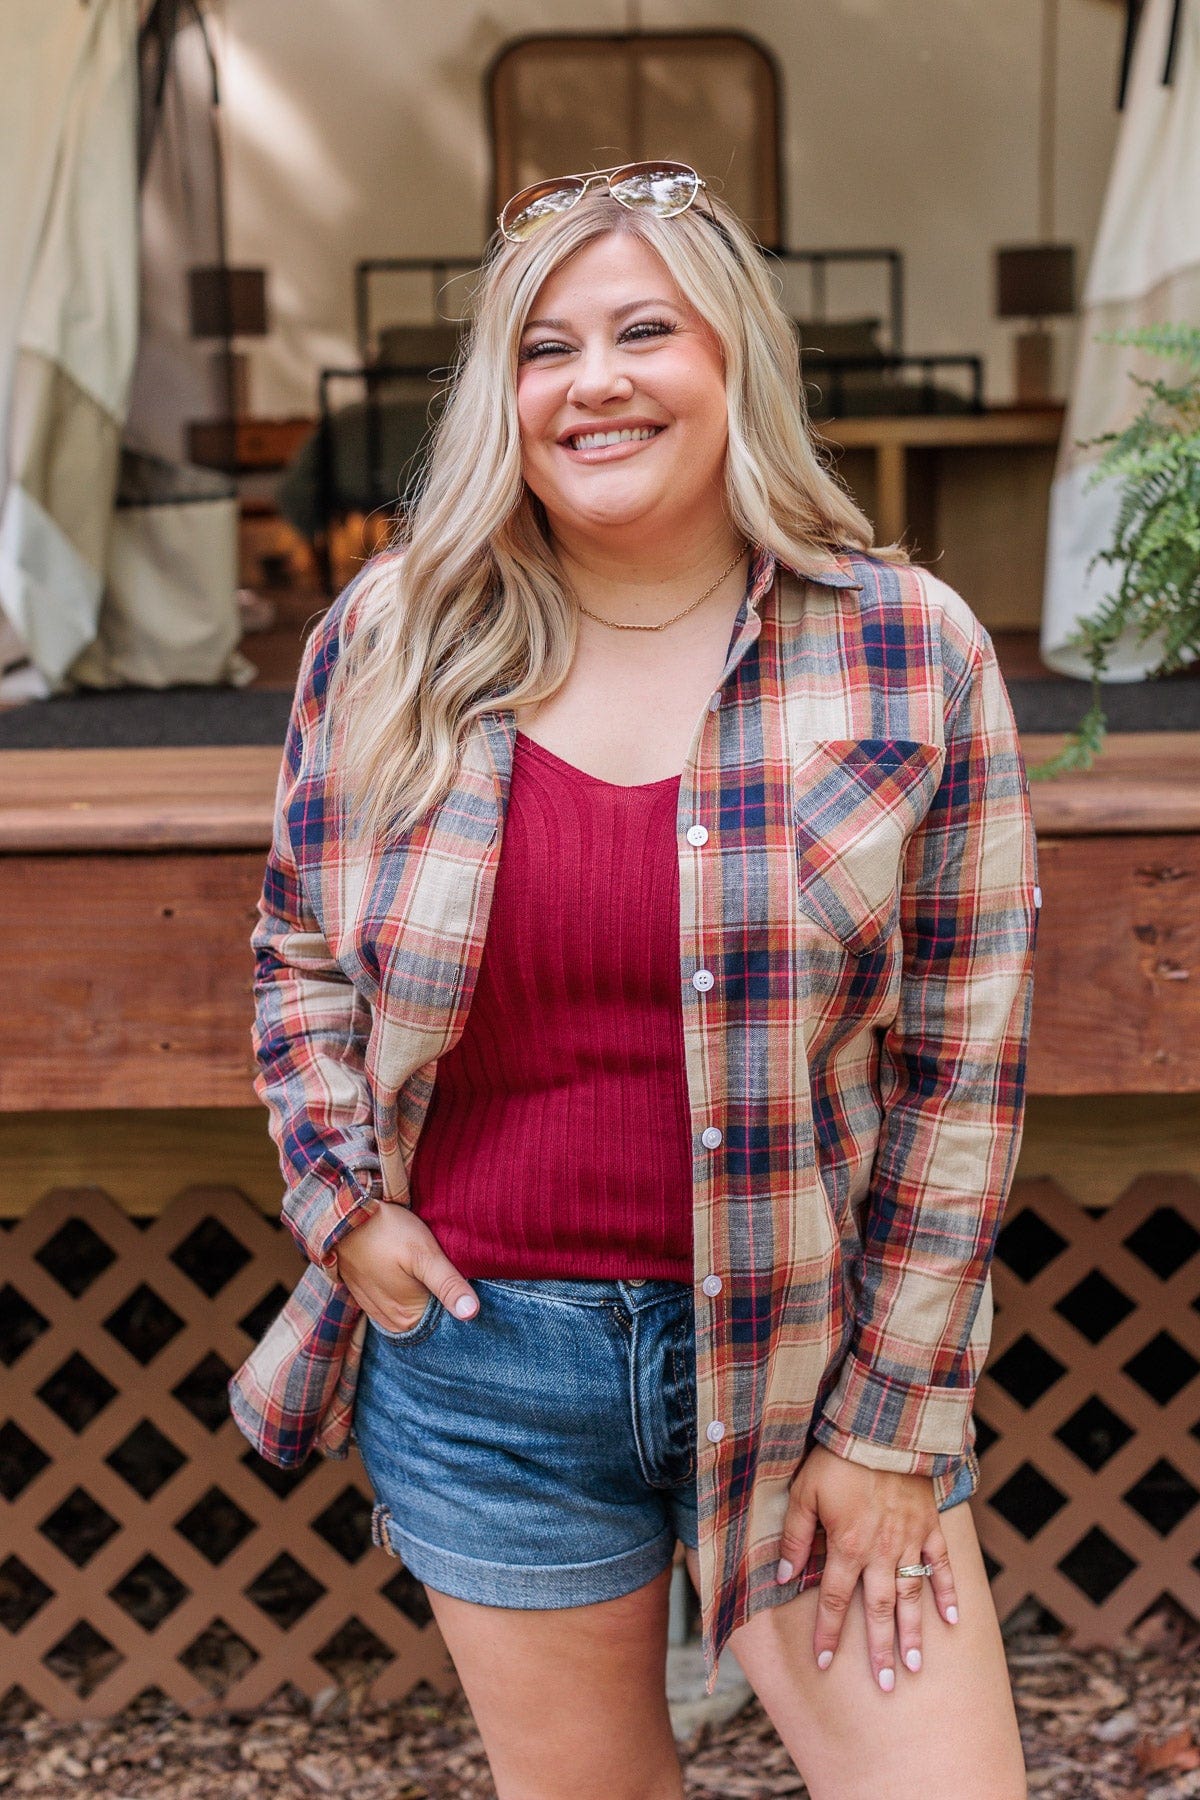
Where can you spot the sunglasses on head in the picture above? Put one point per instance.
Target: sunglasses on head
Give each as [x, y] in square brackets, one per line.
[663, 188]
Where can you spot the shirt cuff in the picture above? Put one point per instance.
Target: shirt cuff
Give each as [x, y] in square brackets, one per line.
[886, 1424]
[354, 1201]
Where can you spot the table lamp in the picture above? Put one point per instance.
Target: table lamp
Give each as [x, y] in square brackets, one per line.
[1034, 282]
[225, 304]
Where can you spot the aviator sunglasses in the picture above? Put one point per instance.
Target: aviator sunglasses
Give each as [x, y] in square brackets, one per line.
[664, 188]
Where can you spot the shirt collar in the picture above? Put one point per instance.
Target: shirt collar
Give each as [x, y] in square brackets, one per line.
[824, 566]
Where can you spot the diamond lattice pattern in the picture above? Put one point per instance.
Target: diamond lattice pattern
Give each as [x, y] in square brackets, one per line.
[145, 1545]
[1090, 1497]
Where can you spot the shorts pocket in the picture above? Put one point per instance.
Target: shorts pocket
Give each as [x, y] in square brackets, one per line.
[855, 803]
[424, 1326]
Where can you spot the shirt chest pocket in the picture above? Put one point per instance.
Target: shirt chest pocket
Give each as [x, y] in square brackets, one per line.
[856, 802]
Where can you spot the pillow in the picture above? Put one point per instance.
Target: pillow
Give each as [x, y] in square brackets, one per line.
[838, 337]
[425, 346]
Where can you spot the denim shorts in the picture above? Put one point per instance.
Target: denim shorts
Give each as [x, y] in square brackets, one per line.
[543, 1453]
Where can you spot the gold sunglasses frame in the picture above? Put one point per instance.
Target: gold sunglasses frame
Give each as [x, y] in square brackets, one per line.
[588, 176]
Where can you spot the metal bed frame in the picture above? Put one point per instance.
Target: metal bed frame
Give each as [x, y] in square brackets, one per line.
[826, 373]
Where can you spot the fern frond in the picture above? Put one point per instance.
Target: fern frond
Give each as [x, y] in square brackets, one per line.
[1081, 748]
[1176, 340]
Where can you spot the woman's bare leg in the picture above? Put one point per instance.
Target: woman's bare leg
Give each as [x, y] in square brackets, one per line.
[946, 1733]
[570, 1702]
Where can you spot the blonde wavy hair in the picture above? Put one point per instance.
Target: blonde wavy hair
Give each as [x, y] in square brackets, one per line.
[477, 610]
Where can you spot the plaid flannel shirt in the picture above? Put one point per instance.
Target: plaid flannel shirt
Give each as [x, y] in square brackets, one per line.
[866, 899]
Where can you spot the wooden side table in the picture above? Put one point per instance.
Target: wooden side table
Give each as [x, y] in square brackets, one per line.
[252, 445]
[968, 493]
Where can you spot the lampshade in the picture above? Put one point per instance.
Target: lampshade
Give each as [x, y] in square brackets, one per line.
[1035, 281]
[225, 302]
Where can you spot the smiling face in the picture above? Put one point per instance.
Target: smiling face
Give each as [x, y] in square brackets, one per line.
[613, 347]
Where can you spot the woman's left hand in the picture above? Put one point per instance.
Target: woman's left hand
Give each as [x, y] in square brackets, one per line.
[874, 1522]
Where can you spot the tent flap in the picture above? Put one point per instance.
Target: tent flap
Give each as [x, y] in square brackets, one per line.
[1145, 270]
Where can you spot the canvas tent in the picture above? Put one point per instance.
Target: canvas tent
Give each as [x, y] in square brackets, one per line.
[1145, 270]
[112, 569]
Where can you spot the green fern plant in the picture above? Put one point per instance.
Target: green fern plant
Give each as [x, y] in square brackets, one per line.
[1156, 538]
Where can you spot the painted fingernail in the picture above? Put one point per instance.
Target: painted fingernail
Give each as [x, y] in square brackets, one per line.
[825, 1658]
[785, 1571]
[887, 1680]
[952, 1614]
[912, 1659]
[466, 1306]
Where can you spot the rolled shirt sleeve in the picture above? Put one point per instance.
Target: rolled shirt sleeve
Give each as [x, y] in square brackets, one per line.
[952, 1087]
[311, 1025]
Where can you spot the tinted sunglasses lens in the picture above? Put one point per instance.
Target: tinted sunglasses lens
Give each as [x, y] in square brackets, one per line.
[534, 205]
[664, 188]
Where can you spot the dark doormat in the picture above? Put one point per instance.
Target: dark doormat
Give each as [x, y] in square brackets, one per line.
[135, 718]
[132, 718]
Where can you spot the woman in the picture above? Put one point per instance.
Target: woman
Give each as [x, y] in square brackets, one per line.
[651, 913]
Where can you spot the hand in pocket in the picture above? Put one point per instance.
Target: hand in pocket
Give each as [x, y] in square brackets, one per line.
[393, 1263]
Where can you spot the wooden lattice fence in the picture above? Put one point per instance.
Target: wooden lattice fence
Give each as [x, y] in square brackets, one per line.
[145, 1545]
[1090, 1407]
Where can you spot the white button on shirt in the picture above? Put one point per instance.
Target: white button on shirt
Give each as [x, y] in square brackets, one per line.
[710, 1137]
[712, 1284]
[703, 980]
[696, 834]
[715, 1432]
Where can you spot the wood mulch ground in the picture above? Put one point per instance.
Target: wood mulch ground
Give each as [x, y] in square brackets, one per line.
[1108, 1725]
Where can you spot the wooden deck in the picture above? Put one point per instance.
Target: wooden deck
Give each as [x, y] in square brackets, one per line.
[221, 797]
[128, 880]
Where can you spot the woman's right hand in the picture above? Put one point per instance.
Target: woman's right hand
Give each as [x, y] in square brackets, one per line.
[392, 1264]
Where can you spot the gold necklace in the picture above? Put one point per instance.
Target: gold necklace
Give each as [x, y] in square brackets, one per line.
[679, 615]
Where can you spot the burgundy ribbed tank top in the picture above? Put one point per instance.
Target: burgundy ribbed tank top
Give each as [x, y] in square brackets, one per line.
[558, 1137]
